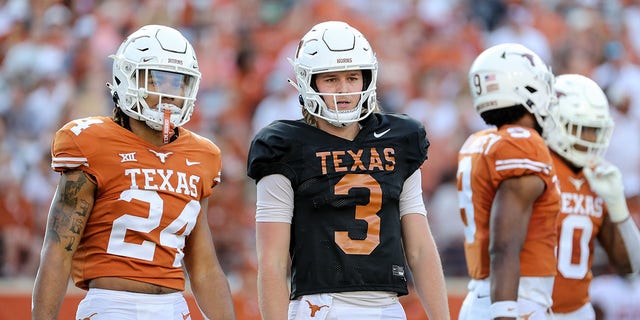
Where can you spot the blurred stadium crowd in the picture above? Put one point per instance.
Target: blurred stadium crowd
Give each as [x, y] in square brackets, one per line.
[54, 65]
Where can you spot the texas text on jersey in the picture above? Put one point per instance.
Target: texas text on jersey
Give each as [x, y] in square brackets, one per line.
[360, 182]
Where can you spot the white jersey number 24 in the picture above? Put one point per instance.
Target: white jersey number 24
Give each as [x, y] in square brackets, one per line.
[169, 236]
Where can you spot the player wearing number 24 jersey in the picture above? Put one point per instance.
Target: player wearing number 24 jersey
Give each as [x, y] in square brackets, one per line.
[147, 203]
[507, 189]
[129, 217]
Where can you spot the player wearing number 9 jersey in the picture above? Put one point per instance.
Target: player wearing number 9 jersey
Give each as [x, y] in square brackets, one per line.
[130, 212]
[508, 193]
[338, 192]
[579, 130]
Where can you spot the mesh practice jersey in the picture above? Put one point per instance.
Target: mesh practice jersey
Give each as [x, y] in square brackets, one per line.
[346, 233]
[486, 159]
[147, 199]
[581, 216]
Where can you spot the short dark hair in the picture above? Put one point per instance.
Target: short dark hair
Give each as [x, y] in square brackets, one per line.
[502, 116]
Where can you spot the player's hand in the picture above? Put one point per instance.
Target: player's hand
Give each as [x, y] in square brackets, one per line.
[605, 180]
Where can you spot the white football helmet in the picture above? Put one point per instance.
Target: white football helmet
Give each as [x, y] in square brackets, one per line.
[581, 103]
[510, 74]
[161, 56]
[328, 47]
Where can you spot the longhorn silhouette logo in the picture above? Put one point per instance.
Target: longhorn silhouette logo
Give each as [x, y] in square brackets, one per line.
[314, 308]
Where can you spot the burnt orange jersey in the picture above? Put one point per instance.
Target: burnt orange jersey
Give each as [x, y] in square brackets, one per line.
[581, 215]
[486, 159]
[147, 199]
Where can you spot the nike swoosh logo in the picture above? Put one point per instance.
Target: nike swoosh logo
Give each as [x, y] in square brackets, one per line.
[380, 134]
[191, 163]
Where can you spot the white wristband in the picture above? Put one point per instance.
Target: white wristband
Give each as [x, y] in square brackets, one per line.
[504, 309]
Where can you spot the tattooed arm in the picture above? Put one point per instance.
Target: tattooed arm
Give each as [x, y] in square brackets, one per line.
[68, 216]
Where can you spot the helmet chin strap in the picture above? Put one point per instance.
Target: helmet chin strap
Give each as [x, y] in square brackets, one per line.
[340, 118]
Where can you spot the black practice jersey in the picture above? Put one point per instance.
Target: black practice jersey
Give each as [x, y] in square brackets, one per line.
[345, 233]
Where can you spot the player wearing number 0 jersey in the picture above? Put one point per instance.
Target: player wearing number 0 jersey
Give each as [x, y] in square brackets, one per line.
[129, 217]
[582, 219]
[339, 194]
[593, 204]
[507, 189]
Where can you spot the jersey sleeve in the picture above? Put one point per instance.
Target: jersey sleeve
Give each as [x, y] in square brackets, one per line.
[269, 153]
[73, 146]
[419, 145]
[415, 137]
[65, 153]
[520, 154]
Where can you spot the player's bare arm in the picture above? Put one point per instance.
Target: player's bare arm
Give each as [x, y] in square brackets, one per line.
[70, 209]
[420, 248]
[205, 273]
[510, 216]
[68, 216]
[613, 244]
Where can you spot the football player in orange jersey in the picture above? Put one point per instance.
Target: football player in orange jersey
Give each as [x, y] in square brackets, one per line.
[129, 216]
[339, 195]
[507, 189]
[593, 203]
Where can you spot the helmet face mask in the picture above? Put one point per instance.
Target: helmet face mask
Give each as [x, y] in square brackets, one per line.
[510, 74]
[165, 90]
[334, 46]
[155, 73]
[580, 125]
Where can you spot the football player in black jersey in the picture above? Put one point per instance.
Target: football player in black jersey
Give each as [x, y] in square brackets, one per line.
[339, 192]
